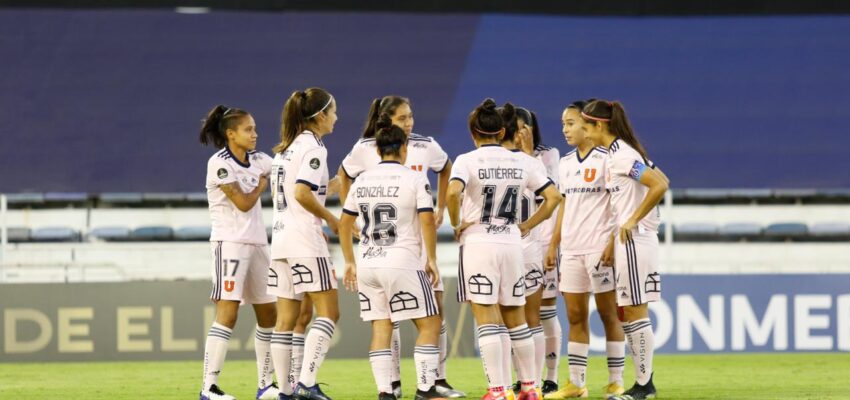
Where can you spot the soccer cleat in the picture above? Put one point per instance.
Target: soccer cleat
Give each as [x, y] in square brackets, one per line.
[517, 387]
[549, 387]
[309, 393]
[282, 396]
[638, 392]
[529, 395]
[397, 389]
[269, 392]
[215, 393]
[495, 396]
[510, 394]
[613, 390]
[570, 391]
[447, 391]
[386, 396]
[431, 393]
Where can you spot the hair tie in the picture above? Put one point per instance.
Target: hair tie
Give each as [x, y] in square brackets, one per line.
[610, 104]
[590, 117]
[487, 133]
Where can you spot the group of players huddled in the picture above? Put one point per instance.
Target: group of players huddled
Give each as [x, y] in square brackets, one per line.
[516, 252]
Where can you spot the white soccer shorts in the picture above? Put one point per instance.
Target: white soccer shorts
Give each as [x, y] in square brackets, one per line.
[636, 270]
[292, 277]
[584, 273]
[491, 274]
[239, 272]
[395, 294]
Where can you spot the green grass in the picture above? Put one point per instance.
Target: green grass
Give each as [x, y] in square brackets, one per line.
[739, 376]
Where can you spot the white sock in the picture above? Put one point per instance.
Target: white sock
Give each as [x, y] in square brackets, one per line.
[315, 349]
[616, 352]
[215, 351]
[642, 345]
[382, 364]
[490, 345]
[507, 369]
[426, 358]
[444, 351]
[395, 348]
[539, 352]
[281, 349]
[262, 348]
[552, 332]
[297, 357]
[523, 346]
[577, 352]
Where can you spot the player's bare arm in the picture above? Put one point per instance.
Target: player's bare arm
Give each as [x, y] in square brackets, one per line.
[658, 185]
[304, 196]
[551, 199]
[244, 201]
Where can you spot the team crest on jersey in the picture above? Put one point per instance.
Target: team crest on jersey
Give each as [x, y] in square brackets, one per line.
[315, 163]
[222, 173]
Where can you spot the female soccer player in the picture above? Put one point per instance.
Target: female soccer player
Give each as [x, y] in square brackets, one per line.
[636, 187]
[584, 238]
[424, 154]
[532, 254]
[490, 275]
[548, 308]
[394, 207]
[236, 177]
[301, 262]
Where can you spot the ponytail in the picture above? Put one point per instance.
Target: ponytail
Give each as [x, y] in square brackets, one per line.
[299, 110]
[380, 106]
[214, 127]
[509, 121]
[614, 115]
[388, 137]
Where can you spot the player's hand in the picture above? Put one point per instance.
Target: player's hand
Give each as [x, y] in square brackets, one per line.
[333, 188]
[433, 273]
[551, 258]
[438, 217]
[459, 230]
[607, 258]
[626, 230]
[350, 278]
[333, 224]
[523, 229]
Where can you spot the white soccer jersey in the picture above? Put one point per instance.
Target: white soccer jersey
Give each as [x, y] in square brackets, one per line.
[549, 156]
[297, 232]
[531, 250]
[229, 224]
[588, 221]
[423, 153]
[625, 165]
[387, 200]
[494, 180]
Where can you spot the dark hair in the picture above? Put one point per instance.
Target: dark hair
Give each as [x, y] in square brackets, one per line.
[388, 137]
[530, 118]
[485, 120]
[509, 119]
[580, 104]
[380, 106]
[615, 115]
[214, 127]
[301, 108]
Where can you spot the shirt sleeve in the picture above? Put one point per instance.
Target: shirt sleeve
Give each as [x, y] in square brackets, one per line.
[424, 199]
[313, 167]
[628, 164]
[219, 173]
[537, 178]
[437, 156]
[266, 163]
[460, 171]
[354, 164]
[350, 205]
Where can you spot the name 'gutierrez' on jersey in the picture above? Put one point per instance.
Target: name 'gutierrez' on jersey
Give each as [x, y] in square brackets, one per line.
[297, 233]
[229, 224]
[386, 200]
[494, 179]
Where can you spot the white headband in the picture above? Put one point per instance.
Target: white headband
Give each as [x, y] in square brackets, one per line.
[330, 100]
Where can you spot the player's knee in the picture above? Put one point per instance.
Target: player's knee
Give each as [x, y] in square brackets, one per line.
[305, 317]
[577, 315]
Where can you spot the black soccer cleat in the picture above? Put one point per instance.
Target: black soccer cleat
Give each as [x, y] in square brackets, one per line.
[549, 387]
[397, 389]
[639, 392]
[431, 393]
[386, 396]
[447, 391]
[309, 393]
[517, 387]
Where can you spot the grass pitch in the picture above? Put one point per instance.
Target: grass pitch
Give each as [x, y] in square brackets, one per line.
[718, 376]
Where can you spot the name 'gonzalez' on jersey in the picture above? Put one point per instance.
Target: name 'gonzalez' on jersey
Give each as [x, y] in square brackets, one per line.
[298, 233]
[494, 179]
[386, 200]
[228, 223]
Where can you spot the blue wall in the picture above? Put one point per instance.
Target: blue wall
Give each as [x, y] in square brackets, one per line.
[111, 100]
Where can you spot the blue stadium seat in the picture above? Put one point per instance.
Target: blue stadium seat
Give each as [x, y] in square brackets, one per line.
[193, 233]
[152, 234]
[55, 234]
[163, 197]
[741, 231]
[786, 231]
[122, 198]
[62, 197]
[198, 197]
[111, 233]
[830, 231]
[696, 232]
[24, 198]
[17, 234]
